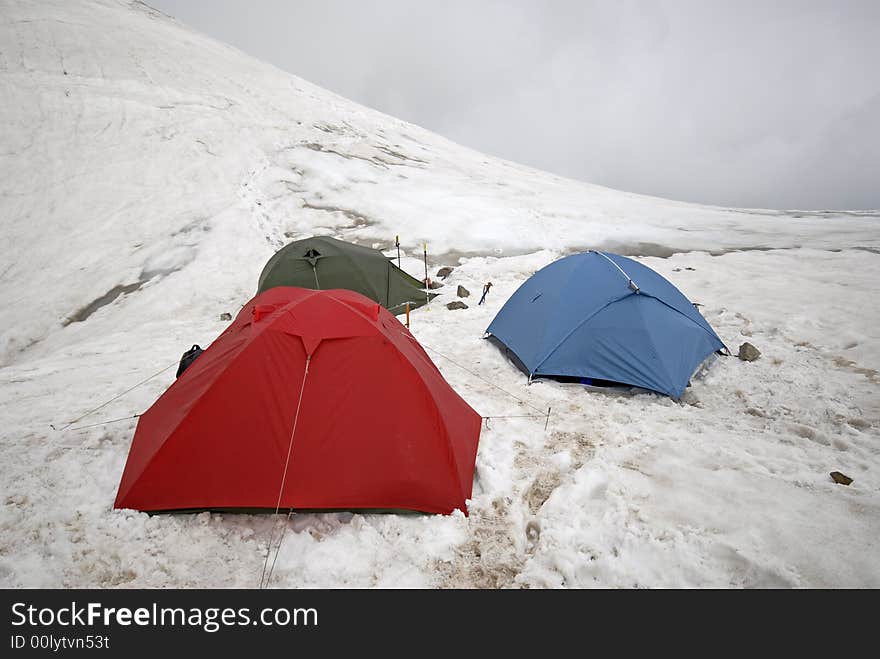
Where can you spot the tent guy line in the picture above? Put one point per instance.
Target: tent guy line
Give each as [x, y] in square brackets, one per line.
[541, 414]
[104, 423]
[264, 580]
[105, 403]
[480, 377]
[284, 525]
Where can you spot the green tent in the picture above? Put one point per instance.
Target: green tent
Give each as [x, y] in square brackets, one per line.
[323, 263]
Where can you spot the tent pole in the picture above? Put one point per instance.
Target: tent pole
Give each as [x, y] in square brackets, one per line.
[632, 285]
[397, 244]
[389, 272]
[427, 283]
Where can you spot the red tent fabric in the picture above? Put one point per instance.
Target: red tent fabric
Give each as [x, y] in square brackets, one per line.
[378, 427]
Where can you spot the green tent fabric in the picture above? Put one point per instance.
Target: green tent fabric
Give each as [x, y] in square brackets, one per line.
[323, 263]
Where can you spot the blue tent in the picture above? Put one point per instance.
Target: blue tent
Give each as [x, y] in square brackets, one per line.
[603, 316]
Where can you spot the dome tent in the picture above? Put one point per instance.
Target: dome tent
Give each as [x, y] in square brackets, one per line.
[325, 263]
[603, 316]
[308, 400]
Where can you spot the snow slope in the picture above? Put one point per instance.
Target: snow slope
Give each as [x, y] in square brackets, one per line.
[148, 172]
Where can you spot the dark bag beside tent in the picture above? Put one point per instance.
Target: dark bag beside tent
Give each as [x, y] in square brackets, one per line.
[188, 358]
[323, 263]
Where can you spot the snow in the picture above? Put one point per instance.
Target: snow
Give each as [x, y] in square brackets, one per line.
[145, 181]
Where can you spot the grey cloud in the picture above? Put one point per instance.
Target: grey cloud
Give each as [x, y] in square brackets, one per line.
[740, 103]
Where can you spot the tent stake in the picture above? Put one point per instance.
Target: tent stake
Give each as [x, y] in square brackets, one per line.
[407, 315]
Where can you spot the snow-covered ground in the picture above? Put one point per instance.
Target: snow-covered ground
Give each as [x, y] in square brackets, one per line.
[148, 172]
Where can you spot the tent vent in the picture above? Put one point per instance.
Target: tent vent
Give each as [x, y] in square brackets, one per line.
[312, 257]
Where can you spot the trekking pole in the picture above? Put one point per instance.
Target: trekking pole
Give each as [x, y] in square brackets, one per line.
[486, 288]
[397, 244]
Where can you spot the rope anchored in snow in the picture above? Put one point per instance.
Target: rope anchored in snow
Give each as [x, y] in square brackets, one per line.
[541, 414]
[106, 403]
[104, 423]
[480, 377]
[266, 576]
[545, 416]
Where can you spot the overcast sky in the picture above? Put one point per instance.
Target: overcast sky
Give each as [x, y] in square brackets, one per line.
[771, 104]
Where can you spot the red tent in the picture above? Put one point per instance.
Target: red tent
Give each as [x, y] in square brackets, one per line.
[323, 391]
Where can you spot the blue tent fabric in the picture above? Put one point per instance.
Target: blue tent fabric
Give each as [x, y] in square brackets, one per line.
[603, 316]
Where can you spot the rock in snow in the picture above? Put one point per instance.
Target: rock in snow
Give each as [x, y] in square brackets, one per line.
[462, 291]
[457, 304]
[444, 272]
[748, 352]
[840, 478]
